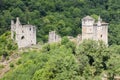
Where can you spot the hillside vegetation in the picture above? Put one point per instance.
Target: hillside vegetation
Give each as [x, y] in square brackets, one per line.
[64, 16]
[91, 60]
[63, 61]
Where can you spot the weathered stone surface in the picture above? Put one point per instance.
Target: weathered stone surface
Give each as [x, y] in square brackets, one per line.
[53, 37]
[95, 31]
[24, 35]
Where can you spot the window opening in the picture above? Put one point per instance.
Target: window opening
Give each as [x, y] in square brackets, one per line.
[101, 36]
[22, 37]
[30, 29]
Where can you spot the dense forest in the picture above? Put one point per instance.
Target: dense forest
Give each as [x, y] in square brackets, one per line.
[64, 16]
[91, 60]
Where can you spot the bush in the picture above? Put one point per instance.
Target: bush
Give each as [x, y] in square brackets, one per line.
[18, 62]
[1, 66]
[7, 58]
[11, 65]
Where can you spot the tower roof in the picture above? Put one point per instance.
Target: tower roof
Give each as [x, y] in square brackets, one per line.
[88, 18]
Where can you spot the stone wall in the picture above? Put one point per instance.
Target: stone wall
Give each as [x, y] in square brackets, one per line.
[53, 37]
[94, 30]
[24, 35]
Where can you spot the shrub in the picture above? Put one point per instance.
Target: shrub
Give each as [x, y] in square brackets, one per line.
[1, 66]
[18, 62]
[11, 65]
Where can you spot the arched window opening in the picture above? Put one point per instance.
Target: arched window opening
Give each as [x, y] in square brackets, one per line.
[22, 37]
[101, 36]
[30, 29]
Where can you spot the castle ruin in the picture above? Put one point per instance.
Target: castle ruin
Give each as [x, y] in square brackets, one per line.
[90, 30]
[23, 35]
[53, 37]
[94, 30]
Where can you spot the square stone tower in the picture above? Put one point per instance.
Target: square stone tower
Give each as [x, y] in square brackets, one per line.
[94, 30]
[24, 35]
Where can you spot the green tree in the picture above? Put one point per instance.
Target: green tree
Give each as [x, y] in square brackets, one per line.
[92, 57]
[61, 65]
[113, 64]
[6, 44]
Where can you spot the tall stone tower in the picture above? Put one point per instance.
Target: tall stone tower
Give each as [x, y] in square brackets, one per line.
[87, 27]
[24, 35]
[94, 30]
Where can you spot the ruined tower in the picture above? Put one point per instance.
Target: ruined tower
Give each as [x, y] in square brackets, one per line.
[94, 30]
[53, 37]
[24, 35]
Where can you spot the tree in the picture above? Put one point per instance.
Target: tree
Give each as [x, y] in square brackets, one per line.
[61, 65]
[92, 57]
[114, 34]
[7, 45]
[113, 64]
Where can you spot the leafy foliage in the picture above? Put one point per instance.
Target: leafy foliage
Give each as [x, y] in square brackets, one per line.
[7, 45]
[57, 61]
[62, 61]
[64, 16]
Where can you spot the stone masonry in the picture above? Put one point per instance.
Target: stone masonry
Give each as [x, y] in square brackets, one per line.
[94, 30]
[53, 37]
[90, 30]
[24, 35]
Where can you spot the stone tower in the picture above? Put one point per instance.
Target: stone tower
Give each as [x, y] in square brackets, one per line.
[24, 35]
[53, 37]
[94, 30]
